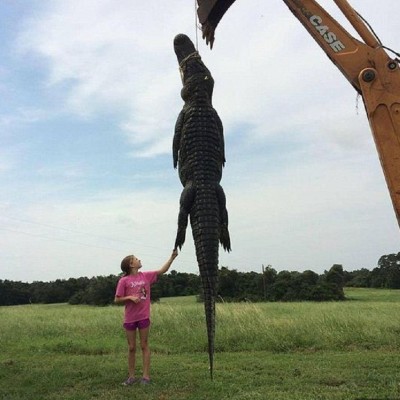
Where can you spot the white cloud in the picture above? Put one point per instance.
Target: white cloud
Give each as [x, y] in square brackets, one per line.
[119, 60]
[115, 60]
[21, 117]
[9, 158]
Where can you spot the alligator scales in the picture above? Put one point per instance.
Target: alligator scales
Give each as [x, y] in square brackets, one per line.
[198, 151]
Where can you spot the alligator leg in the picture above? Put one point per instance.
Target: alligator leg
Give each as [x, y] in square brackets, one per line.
[224, 233]
[177, 137]
[186, 201]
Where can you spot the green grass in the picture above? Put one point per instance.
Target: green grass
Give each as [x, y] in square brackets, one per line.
[346, 350]
[375, 295]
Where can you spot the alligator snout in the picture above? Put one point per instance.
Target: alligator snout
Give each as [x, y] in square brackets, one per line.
[183, 46]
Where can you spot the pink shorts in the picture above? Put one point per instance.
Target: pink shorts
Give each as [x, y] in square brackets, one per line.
[131, 326]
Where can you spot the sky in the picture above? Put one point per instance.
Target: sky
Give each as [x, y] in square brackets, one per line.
[89, 96]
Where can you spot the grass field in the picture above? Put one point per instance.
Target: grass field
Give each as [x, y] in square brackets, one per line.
[304, 351]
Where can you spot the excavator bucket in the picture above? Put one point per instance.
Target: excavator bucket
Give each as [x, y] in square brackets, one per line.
[204, 9]
[210, 13]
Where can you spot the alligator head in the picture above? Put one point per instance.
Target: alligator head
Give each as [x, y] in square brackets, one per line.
[194, 73]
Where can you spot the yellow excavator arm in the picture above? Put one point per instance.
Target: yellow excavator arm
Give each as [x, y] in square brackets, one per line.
[366, 65]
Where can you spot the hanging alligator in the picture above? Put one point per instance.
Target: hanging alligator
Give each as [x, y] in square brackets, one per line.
[198, 151]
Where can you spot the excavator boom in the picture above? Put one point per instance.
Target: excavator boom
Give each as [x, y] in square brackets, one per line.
[365, 64]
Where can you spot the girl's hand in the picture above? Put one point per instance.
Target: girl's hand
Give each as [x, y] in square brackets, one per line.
[174, 254]
[170, 260]
[135, 299]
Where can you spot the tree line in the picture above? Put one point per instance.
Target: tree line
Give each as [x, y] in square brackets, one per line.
[268, 285]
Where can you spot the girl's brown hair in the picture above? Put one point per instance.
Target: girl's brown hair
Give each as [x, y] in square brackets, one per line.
[126, 265]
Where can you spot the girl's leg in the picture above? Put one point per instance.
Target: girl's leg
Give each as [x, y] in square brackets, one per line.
[131, 336]
[144, 344]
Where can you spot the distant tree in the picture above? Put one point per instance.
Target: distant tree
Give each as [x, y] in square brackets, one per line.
[309, 278]
[282, 288]
[229, 284]
[59, 291]
[358, 278]
[13, 293]
[334, 282]
[378, 278]
[389, 271]
[99, 292]
[175, 284]
[393, 277]
[335, 275]
[78, 298]
[233, 286]
[269, 275]
[306, 283]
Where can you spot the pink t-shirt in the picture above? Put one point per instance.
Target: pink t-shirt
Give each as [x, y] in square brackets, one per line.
[136, 285]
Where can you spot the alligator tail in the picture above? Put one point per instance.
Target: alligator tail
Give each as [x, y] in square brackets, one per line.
[208, 217]
[209, 292]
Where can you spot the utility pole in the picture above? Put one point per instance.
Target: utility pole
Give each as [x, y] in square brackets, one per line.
[264, 283]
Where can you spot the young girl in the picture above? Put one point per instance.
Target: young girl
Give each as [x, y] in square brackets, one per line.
[133, 289]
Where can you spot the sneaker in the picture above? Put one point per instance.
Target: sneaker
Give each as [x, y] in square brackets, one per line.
[145, 381]
[129, 381]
